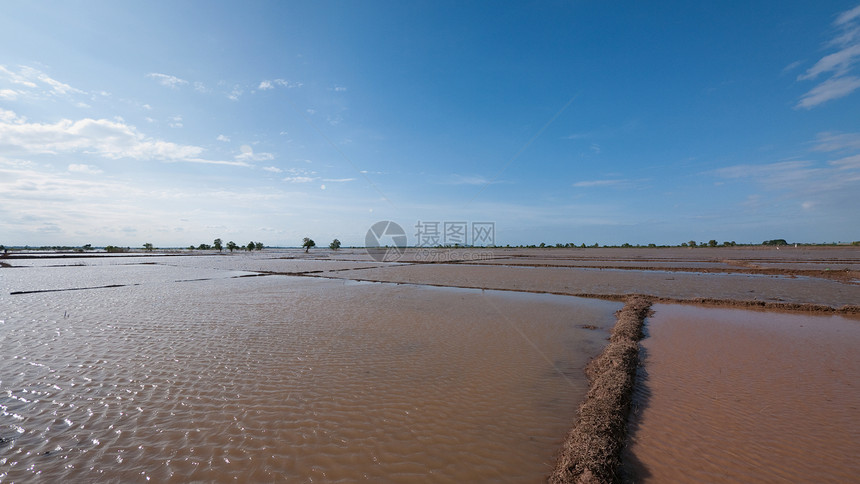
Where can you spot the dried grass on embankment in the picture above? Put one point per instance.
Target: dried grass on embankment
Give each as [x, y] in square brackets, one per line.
[592, 451]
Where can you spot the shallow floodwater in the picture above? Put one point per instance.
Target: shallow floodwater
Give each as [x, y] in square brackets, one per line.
[281, 378]
[730, 395]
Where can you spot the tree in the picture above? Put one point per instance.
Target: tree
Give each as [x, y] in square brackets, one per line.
[148, 247]
[775, 242]
[259, 245]
[231, 246]
[307, 243]
[250, 246]
[712, 243]
[217, 244]
[692, 243]
[87, 247]
[334, 245]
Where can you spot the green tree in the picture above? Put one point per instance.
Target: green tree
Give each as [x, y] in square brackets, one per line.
[250, 246]
[259, 245]
[148, 247]
[334, 245]
[712, 243]
[231, 246]
[692, 243]
[87, 247]
[217, 244]
[307, 243]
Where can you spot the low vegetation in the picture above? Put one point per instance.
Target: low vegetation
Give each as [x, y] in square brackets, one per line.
[307, 243]
[592, 451]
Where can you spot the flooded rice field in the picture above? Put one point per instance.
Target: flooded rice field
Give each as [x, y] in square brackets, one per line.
[188, 371]
[447, 365]
[730, 395]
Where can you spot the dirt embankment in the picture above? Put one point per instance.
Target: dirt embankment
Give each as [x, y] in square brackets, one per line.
[592, 451]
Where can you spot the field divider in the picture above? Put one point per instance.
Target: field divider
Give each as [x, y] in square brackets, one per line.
[592, 451]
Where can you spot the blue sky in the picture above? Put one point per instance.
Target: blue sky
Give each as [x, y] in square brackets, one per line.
[587, 122]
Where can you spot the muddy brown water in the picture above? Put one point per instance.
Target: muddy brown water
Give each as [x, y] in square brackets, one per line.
[730, 395]
[280, 378]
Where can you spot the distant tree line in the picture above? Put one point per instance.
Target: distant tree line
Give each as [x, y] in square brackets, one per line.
[218, 245]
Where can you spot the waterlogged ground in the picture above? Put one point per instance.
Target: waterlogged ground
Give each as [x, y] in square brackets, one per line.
[454, 365]
[730, 395]
[187, 370]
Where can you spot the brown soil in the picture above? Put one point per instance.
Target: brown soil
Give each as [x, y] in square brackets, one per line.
[727, 395]
[592, 451]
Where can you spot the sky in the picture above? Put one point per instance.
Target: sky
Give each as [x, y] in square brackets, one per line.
[589, 122]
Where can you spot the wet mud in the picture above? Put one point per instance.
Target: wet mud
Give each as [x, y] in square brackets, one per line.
[169, 304]
[728, 395]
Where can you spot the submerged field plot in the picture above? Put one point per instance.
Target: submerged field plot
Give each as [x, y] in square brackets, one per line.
[331, 365]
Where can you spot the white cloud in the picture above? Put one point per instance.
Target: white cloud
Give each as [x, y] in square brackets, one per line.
[838, 64]
[837, 141]
[235, 93]
[172, 82]
[271, 84]
[833, 88]
[847, 163]
[87, 169]
[338, 180]
[794, 65]
[247, 154]
[779, 173]
[8, 116]
[221, 137]
[57, 87]
[832, 184]
[101, 137]
[299, 179]
[200, 87]
[32, 79]
[848, 16]
[9, 94]
[339, 89]
[16, 78]
[175, 121]
[273, 169]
